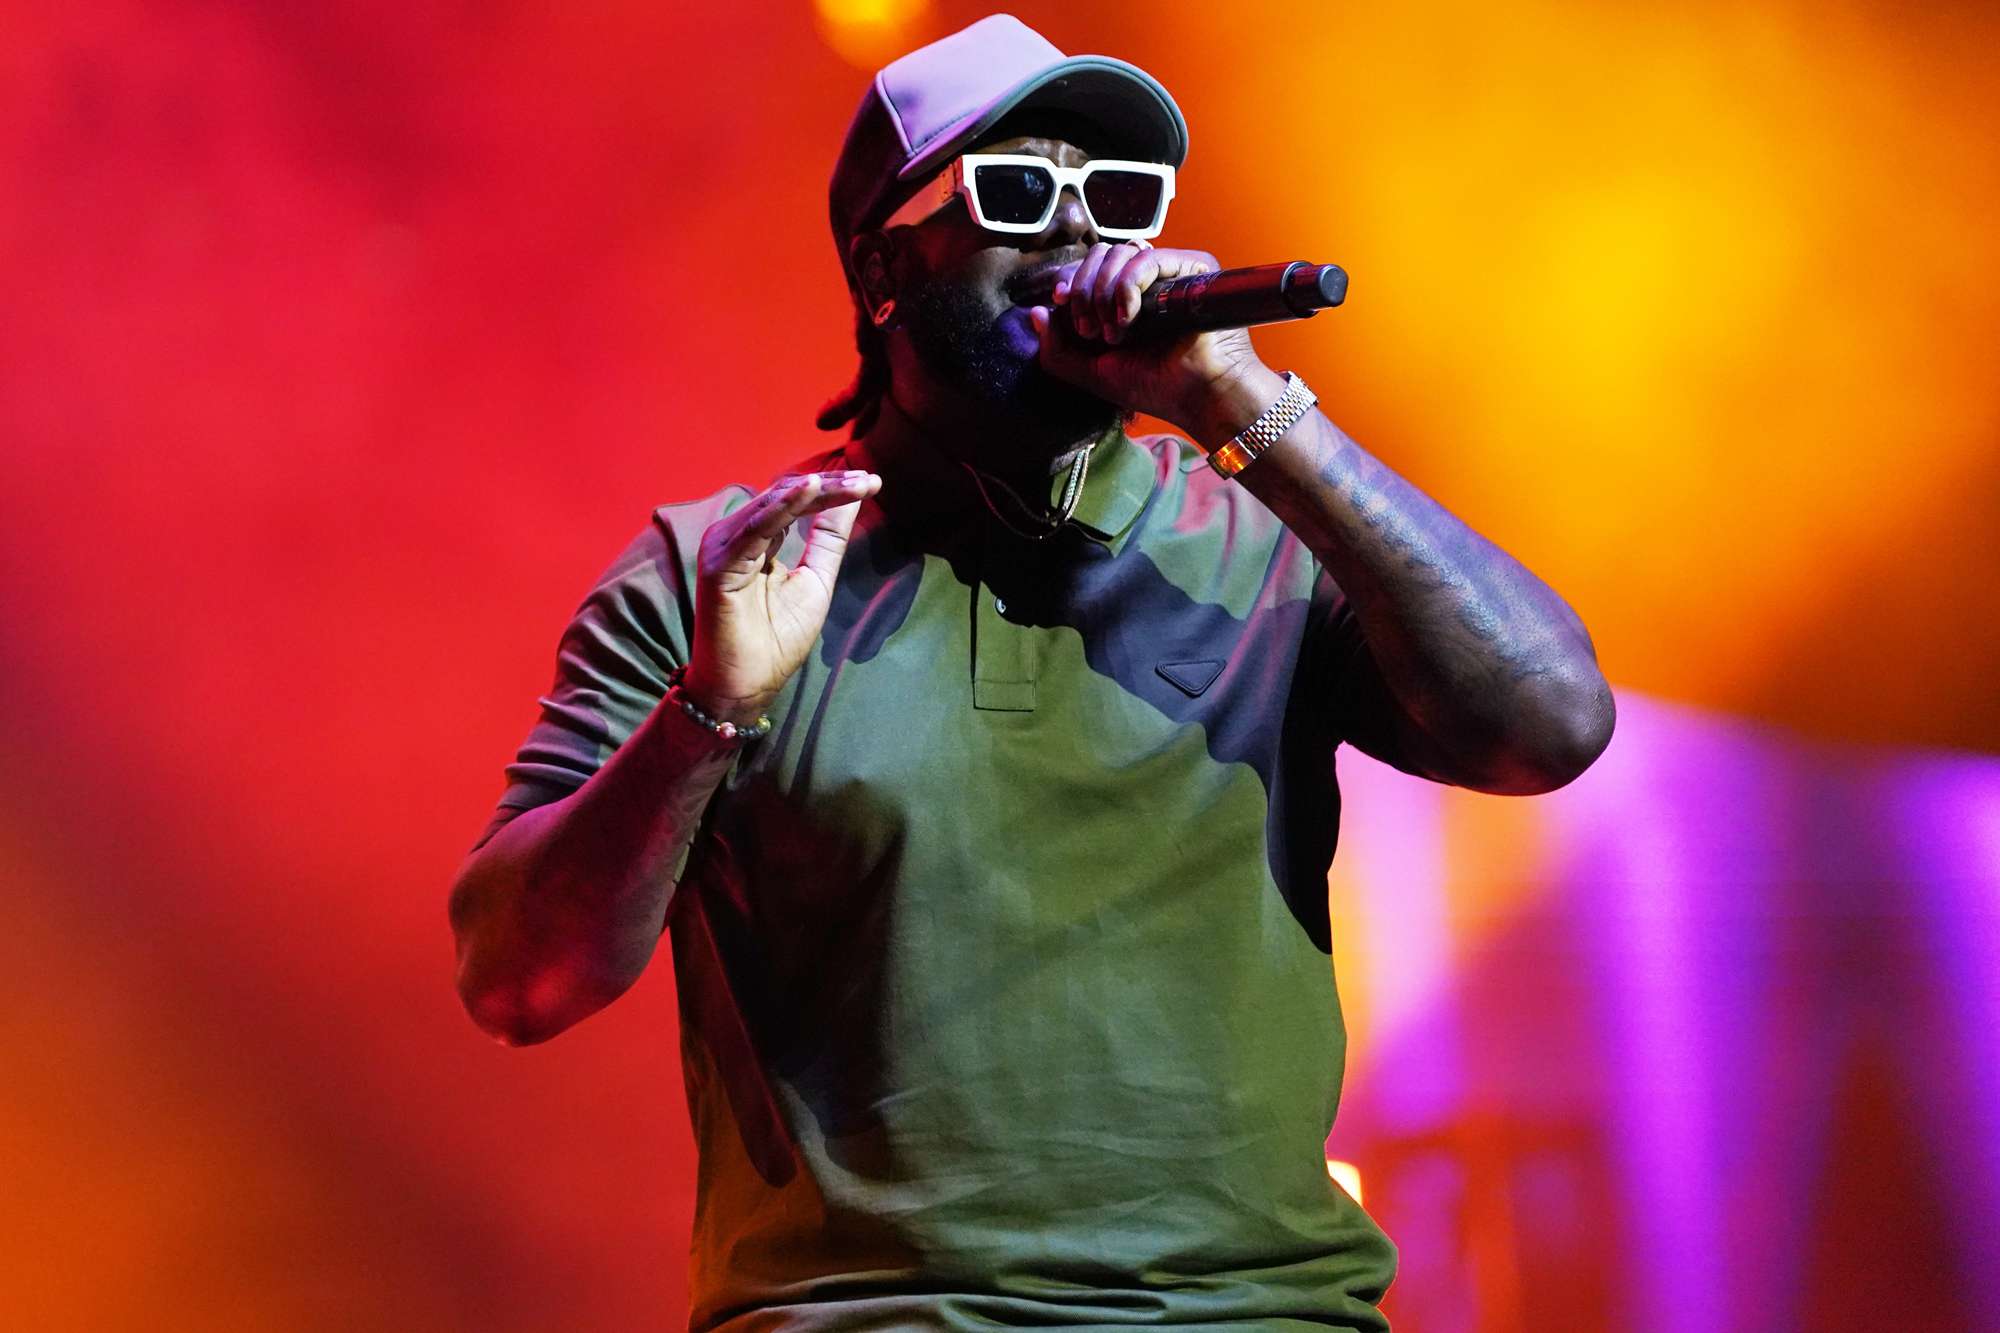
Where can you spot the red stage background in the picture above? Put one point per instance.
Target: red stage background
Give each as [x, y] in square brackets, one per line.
[344, 344]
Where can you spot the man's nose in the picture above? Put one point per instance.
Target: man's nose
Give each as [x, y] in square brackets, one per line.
[1069, 225]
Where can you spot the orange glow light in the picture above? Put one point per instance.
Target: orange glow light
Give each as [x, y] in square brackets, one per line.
[1346, 1175]
[869, 33]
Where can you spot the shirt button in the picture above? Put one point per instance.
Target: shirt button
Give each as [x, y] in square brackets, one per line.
[1000, 605]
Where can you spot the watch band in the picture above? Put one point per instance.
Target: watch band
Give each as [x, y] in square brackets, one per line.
[1249, 445]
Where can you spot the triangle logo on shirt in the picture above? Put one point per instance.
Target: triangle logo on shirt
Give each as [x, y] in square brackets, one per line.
[1191, 678]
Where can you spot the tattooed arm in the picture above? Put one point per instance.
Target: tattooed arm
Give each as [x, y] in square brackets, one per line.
[1487, 677]
[1492, 680]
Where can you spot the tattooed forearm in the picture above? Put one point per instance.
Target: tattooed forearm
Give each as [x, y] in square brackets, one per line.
[1495, 675]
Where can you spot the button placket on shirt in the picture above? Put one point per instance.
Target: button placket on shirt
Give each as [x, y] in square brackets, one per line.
[1004, 654]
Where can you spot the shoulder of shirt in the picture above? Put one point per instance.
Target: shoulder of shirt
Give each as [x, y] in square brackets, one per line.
[1178, 454]
[1205, 501]
[688, 519]
[1174, 452]
[683, 521]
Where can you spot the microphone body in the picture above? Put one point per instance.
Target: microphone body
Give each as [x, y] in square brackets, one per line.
[1237, 298]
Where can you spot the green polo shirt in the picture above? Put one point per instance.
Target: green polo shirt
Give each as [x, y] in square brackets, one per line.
[1003, 961]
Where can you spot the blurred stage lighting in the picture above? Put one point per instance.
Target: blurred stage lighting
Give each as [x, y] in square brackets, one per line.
[870, 33]
[1346, 1175]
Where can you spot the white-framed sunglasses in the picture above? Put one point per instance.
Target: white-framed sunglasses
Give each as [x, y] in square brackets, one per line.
[1018, 192]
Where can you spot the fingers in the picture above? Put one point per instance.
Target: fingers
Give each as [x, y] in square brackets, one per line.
[1103, 290]
[1062, 352]
[826, 539]
[1121, 288]
[1080, 292]
[746, 541]
[1103, 295]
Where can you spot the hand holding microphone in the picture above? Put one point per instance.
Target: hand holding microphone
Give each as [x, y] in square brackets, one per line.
[1157, 330]
[1237, 298]
[1146, 292]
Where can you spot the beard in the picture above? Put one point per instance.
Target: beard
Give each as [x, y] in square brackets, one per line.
[961, 343]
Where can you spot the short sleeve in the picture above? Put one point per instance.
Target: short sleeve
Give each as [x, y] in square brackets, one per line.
[1360, 708]
[612, 665]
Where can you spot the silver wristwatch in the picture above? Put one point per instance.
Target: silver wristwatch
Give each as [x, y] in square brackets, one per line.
[1262, 433]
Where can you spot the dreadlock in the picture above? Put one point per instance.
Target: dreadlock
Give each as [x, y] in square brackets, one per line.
[862, 398]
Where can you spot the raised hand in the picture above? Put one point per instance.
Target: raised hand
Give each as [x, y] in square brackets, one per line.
[756, 619]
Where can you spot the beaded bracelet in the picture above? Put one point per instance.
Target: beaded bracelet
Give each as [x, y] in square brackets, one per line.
[727, 731]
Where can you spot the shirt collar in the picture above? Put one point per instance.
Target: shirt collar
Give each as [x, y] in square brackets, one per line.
[1120, 479]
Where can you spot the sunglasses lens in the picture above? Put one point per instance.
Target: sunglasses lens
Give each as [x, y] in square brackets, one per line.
[1012, 192]
[1124, 200]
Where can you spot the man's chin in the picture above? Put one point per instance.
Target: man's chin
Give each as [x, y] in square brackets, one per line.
[995, 360]
[1042, 402]
[1061, 407]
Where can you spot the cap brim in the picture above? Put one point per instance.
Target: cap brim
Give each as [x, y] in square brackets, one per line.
[1134, 111]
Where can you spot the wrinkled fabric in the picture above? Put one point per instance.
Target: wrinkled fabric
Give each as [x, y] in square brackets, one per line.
[1002, 962]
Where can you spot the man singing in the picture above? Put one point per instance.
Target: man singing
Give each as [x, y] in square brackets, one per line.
[981, 769]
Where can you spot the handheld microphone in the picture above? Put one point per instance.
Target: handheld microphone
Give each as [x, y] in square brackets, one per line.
[1237, 298]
